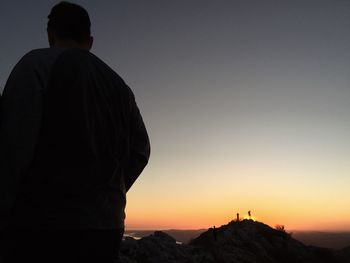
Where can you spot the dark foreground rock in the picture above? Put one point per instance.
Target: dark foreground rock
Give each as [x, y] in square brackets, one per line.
[344, 255]
[158, 247]
[237, 242]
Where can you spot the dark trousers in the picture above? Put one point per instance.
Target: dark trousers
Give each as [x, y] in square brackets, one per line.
[64, 246]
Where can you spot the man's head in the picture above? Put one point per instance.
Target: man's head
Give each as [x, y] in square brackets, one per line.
[69, 26]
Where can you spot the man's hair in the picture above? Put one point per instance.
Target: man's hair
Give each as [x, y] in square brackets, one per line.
[70, 21]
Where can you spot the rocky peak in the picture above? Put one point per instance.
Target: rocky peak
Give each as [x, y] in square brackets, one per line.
[243, 241]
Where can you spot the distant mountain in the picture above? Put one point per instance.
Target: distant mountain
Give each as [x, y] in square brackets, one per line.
[183, 236]
[237, 242]
[335, 240]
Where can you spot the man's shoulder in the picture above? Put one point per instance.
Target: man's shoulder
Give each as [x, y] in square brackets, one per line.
[36, 62]
[72, 55]
[42, 53]
[81, 57]
[90, 65]
[38, 59]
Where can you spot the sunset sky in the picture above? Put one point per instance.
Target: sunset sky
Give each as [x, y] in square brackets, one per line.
[247, 104]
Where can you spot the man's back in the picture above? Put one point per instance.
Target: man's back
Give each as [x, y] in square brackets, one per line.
[87, 150]
[91, 147]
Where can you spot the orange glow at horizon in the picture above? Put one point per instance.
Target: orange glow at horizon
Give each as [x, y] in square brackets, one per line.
[291, 174]
[194, 217]
[205, 222]
[297, 204]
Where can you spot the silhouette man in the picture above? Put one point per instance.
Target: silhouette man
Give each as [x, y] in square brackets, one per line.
[72, 143]
[249, 214]
[237, 217]
[215, 233]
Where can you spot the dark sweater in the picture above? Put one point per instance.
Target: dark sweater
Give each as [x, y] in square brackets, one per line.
[90, 147]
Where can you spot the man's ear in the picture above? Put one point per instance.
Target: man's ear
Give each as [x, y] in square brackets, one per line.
[91, 41]
[51, 38]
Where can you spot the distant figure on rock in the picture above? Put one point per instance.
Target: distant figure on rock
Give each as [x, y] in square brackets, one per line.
[237, 217]
[215, 233]
[72, 144]
[249, 215]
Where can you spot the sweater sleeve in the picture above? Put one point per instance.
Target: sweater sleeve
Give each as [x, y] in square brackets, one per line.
[139, 146]
[21, 109]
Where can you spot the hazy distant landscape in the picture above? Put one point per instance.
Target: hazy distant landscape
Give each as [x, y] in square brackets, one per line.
[334, 240]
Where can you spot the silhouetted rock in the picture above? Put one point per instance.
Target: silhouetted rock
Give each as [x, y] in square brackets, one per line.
[237, 242]
[344, 255]
[155, 248]
[249, 241]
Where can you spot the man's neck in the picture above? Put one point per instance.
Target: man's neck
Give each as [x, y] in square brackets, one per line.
[67, 43]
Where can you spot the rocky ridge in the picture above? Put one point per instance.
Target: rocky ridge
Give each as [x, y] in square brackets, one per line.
[237, 242]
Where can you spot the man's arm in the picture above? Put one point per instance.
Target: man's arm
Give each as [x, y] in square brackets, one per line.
[139, 147]
[21, 109]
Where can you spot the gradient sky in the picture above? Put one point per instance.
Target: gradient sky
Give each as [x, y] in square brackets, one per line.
[246, 103]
